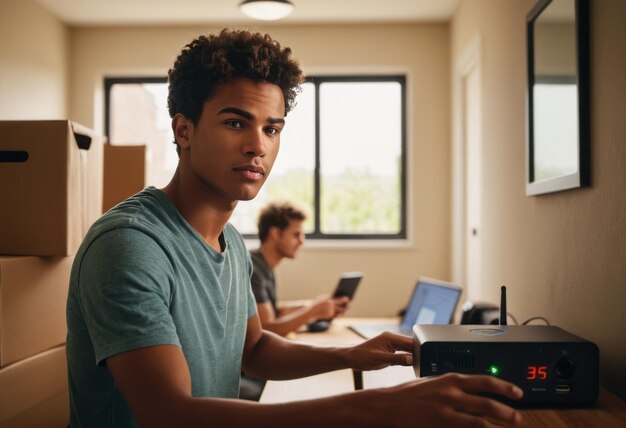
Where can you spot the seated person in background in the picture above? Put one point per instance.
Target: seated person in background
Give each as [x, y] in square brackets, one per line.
[281, 235]
[280, 231]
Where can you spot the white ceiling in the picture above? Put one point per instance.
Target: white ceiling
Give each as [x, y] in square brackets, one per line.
[184, 12]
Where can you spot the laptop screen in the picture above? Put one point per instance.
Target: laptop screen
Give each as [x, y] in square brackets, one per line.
[432, 302]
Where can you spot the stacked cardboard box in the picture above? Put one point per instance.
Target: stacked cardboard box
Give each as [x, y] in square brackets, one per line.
[51, 182]
[51, 186]
[33, 391]
[131, 161]
[33, 295]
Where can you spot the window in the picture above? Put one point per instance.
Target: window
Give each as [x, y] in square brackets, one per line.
[342, 155]
[136, 113]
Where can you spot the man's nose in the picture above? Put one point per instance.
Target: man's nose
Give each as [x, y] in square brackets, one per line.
[255, 144]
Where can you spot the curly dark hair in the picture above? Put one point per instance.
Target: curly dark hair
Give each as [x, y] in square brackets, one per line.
[209, 61]
[278, 215]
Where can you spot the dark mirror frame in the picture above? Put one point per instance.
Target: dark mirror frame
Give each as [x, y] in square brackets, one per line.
[580, 178]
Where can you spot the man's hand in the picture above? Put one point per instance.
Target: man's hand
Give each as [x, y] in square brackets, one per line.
[326, 308]
[342, 304]
[384, 350]
[452, 400]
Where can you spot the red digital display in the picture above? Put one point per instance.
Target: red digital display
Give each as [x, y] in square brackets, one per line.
[537, 373]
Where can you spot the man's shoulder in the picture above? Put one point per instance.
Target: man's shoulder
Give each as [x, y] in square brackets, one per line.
[140, 215]
[257, 257]
[261, 269]
[140, 204]
[256, 253]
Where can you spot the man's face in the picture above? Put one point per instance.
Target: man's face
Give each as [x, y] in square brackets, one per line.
[232, 149]
[289, 241]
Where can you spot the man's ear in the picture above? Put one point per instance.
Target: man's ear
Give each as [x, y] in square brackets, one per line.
[183, 129]
[274, 233]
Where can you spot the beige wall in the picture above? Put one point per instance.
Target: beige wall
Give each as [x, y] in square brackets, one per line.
[562, 256]
[422, 52]
[33, 62]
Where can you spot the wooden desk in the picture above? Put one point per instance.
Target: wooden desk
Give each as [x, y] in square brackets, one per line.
[608, 412]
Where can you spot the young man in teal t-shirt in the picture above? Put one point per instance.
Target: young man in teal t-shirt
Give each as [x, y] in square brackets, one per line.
[161, 318]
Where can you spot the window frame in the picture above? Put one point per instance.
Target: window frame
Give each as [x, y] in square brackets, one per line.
[317, 81]
[402, 233]
[108, 85]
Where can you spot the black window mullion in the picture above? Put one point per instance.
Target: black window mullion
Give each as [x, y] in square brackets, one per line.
[403, 157]
[317, 179]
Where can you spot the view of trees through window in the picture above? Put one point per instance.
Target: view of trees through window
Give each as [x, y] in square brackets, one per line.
[341, 159]
[360, 157]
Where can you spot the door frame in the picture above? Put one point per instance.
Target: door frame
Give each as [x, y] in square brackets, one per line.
[468, 61]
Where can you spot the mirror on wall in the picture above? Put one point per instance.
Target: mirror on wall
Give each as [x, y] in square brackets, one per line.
[557, 152]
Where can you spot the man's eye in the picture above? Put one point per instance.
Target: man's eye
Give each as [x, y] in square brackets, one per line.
[272, 131]
[233, 123]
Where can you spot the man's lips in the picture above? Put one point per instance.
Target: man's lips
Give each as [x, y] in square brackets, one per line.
[251, 172]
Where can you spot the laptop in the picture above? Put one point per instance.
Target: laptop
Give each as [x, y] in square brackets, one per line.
[347, 285]
[432, 302]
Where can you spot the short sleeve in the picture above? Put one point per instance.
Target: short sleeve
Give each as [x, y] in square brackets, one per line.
[125, 287]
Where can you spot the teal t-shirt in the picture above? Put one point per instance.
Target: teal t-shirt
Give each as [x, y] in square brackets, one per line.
[144, 277]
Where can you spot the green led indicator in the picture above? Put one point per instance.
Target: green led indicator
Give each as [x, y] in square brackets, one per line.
[494, 370]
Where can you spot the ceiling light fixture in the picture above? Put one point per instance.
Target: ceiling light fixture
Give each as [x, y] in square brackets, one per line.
[266, 10]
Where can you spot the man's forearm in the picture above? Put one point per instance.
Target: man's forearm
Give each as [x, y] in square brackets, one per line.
[353, 409]
[277, 358]
[289, 322]
[287, 306]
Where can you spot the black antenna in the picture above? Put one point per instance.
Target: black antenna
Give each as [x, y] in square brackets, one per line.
[503, 305]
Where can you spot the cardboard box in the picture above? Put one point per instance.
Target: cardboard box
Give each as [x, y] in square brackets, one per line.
[50, 186]
[33, 297]
[124, 173]
[34, 393]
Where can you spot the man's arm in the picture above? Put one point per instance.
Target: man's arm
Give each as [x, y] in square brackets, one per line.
[286, 306]
[268, 356]
[156, 384]
[294, 318]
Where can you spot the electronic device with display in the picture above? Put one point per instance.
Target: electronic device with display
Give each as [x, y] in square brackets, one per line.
[346, 287]
[552, 366]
